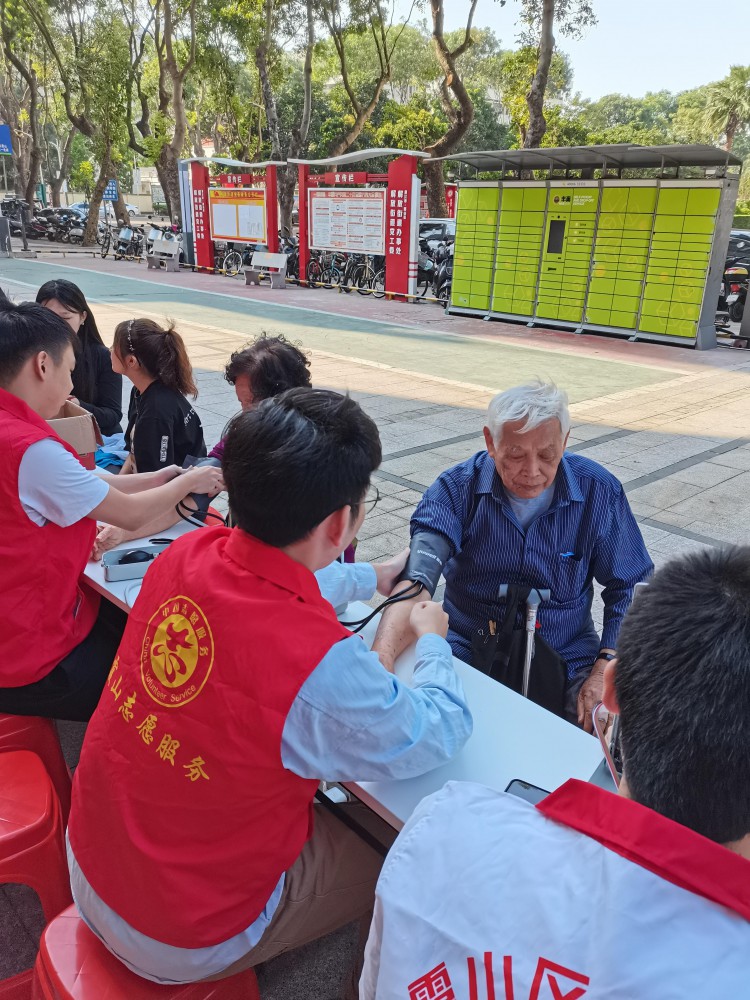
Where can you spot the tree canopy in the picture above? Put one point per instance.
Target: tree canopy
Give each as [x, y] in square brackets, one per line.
[92, 88]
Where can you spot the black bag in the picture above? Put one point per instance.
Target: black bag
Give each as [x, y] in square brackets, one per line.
[501, 656]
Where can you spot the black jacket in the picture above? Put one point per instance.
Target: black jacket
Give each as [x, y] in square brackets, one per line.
[106, 404]
[163, 428]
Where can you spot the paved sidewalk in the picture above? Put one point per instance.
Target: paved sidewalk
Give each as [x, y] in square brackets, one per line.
[672, 424]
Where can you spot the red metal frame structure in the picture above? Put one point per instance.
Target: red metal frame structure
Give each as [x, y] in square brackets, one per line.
[402, 208]
[195, 180]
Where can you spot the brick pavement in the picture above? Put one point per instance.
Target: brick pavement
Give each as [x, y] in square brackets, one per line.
[673, 425]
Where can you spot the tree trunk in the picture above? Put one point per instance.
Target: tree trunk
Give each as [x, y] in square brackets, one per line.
[162, 175]
[362, 117]
[106, 174]
[456, 104]
[731, 131]
[269, 98]
[535, 97]
[121, 211]
[57, 182]
[35, 153]
[435, 185]
[169, 175]
[288, 175]
[362, 114]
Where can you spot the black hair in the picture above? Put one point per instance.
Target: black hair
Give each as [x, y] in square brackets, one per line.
[683, 685]
[71, 296]
[160, 351]
[27, 329]
[272, 365]
[295, 459]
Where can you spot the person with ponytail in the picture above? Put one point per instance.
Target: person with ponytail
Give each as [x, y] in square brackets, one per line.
[163, 428]
[95, 386]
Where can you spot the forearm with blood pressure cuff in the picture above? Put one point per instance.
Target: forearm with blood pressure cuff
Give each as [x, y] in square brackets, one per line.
[429, 551]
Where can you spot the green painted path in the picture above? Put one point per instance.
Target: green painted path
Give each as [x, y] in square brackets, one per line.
[473, 360]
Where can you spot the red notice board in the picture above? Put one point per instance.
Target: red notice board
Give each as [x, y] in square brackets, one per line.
[238, 214]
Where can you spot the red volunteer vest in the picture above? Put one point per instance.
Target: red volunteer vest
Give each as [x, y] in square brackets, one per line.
[45, 611]
[183, 815]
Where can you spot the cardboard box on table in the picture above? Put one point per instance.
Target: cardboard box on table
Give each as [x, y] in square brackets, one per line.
[78, 428]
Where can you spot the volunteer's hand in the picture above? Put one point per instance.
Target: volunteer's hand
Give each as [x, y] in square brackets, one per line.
[204, 479]
[167, 474]
[428, 618]
[107, 536]
[590, 695]
[74, 400]
[387, 573]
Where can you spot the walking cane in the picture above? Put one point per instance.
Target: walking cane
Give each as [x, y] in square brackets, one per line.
[535, 598]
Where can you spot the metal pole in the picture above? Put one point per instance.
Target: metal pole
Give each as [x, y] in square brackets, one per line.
[23, 231]
[533, 601]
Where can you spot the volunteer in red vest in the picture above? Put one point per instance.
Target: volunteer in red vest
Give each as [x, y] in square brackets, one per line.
[194, 852]
[643, 895]
[56, 642]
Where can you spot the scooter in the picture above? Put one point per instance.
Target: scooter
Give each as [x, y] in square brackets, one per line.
[734, 280]
[443, 275]
[738, 292]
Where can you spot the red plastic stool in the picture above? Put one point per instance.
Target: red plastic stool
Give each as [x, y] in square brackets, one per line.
[32, 847]
[73, 964]
[30, 732]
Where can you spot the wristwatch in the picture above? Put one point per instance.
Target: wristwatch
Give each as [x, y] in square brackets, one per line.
[606, 656]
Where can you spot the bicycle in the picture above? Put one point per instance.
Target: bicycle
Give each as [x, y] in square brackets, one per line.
[226, 259]
[235, 260]
[358, 273]
[106, 243]
[378, 283]
[321, 270]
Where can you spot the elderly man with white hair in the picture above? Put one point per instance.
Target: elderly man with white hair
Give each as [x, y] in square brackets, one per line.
[524, 512]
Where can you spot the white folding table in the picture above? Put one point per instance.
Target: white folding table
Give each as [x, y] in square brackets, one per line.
[124, 592]
[512, 737]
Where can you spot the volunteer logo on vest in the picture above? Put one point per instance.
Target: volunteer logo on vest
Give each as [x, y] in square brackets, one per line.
[177, 652]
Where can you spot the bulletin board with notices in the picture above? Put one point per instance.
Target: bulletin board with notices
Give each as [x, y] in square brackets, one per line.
[238, 214]
[352, 221]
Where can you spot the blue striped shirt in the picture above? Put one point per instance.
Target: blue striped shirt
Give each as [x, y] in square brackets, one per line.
[588, 533]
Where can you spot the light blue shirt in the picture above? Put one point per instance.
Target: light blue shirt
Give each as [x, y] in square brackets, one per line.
[351, 720]
[528, 509]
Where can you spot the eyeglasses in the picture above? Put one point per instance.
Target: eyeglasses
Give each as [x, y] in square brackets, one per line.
[371, 500]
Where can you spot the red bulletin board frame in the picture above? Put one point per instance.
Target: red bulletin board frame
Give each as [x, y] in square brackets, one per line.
[202, 245]
[237, 197]
[343, 195]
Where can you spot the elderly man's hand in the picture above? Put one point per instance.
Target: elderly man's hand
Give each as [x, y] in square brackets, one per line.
[387, 573]
[590, 695]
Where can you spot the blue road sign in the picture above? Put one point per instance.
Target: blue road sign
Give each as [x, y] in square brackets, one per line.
[6, 147]
[110, 191]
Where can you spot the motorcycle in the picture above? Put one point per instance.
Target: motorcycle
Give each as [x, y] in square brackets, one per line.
[290, 247]
[129, 243]
[737, 292]
[20, 218]
[443, 275]
[733, 294]
[425, 270]
[157, 232]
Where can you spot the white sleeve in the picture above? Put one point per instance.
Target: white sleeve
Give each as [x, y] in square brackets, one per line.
[54, 486]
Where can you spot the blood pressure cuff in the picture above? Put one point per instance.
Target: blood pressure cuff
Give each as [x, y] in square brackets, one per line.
[201, 500]
[428, 554]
